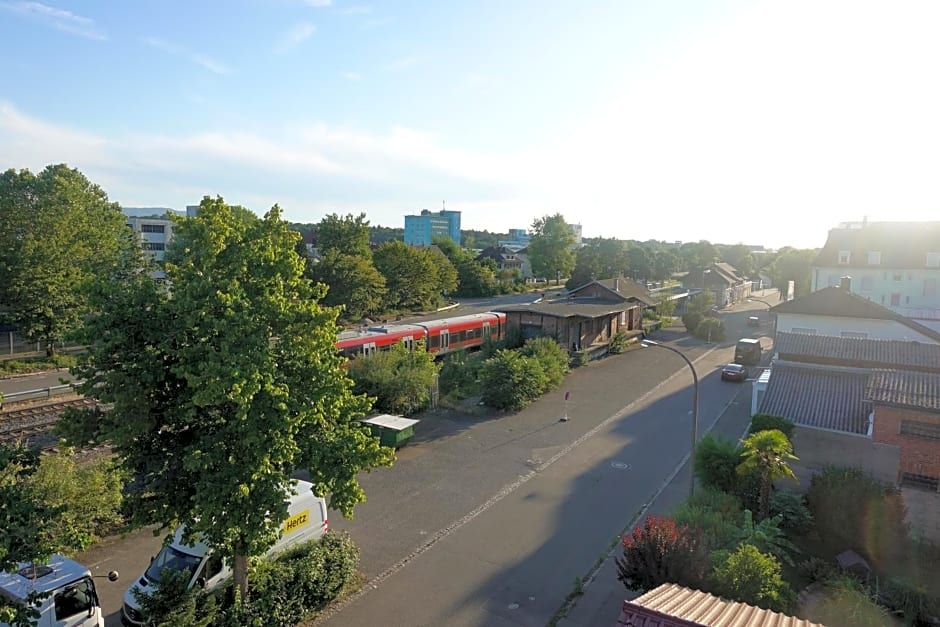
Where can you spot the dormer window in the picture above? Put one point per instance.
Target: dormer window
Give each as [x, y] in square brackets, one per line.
[844, 257]
[933, 260]
[874, 258]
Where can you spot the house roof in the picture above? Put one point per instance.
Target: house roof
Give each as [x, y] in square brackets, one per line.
[622, 288]
[500, 253]
[571, 308]
[672, 605]
[729, 270]
[841, 303]
[915, 390]
[860, 352]
[818, 396]
[901, 244]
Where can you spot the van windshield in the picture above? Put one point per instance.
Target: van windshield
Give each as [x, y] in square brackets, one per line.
[170, 557]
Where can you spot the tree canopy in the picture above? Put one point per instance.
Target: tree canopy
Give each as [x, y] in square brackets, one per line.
[59, 231]
[223, 385]
[550, 247]
[347, 235]
[354, 283]
[412, 276]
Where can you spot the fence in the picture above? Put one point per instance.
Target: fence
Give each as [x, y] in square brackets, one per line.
[12, 343]
[29, 395]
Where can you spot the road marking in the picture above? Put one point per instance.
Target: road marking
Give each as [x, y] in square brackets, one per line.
[508, 489]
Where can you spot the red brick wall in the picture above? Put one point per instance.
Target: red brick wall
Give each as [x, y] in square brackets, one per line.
[918, 455]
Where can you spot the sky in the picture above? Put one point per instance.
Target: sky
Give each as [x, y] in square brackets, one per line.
[737, 122]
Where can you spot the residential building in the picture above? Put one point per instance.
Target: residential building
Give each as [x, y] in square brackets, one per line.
[895, 264]
[672, 605]
[420, 230]
[839, 311]
[723, 282]
[505, 258]
[517, 240]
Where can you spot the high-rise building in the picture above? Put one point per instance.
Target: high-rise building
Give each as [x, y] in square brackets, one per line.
[420, 230]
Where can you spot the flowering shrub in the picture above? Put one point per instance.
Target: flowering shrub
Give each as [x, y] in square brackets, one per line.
[660, 551]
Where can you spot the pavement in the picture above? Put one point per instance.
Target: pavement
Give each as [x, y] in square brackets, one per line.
[490, 520]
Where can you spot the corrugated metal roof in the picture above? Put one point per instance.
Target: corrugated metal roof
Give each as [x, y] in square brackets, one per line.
[918, 390]
[859, 351]
[672, 605]
[570, 308]
[824, 398]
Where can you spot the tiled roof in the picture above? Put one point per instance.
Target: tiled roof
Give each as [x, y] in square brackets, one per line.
[839, 302]
[862, 352]
[901, 244]
[728, 269]
[570, 308]
[918, 390]
[821, 397]
[671, 605]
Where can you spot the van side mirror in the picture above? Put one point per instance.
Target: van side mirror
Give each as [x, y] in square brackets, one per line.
[113, 575]
[151, 559]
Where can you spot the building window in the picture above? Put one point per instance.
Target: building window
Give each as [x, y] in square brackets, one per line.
[152, 228]
[896, 300]
[933, 260]
[803, 330]
[844, 257]
[920, 482]
[874, 258]
[154, 246]
[867, 283]
[856, 334]
[918, 429]
[898, 277]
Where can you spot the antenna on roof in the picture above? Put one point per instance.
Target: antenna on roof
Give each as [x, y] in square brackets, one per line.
[443, 205]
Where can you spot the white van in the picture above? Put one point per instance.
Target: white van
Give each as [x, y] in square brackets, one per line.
[71, 600]
[306, 520]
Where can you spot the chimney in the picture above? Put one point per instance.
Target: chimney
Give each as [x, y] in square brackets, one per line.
[617, 284]
[846, 283]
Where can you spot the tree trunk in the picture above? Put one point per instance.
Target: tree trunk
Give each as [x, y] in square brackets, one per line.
[241, 575]
[50, 349]
[763, 503]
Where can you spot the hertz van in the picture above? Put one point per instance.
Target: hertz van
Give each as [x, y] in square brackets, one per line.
[306, 520]
[68, 590]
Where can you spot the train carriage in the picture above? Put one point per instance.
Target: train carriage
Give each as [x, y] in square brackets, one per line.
[366, 342]
[440, 336]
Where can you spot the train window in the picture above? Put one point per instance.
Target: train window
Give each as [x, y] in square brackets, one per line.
[486, 329]
[368, 349]
[435, 341]
[445, 338]
[409, 342]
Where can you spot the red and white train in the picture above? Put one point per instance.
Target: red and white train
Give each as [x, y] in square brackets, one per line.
[440, 336]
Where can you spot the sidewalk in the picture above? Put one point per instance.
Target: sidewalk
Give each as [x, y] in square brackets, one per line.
[604, 595]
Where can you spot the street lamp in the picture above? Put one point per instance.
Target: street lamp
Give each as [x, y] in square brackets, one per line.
[647, 344]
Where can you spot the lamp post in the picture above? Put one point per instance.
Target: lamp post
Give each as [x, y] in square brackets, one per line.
[648, 343]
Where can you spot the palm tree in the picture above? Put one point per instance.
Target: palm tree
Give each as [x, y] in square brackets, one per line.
[766, 453]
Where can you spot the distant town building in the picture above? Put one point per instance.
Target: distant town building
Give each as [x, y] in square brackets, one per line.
[578, 234]
[153, 227]
[517, 240]
[420, 230]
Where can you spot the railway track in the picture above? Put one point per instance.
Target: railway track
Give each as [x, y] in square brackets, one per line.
[33, 425]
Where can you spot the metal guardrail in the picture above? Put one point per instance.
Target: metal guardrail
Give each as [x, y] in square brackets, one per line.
[29, 395]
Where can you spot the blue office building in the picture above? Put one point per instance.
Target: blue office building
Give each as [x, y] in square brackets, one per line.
[421, 230]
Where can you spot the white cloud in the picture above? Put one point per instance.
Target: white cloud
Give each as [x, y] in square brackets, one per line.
[298, 34]
[203, 60]
[60, 19]
[352, 76]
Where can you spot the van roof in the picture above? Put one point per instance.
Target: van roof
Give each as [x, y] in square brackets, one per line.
[749, 340]
[59, 571]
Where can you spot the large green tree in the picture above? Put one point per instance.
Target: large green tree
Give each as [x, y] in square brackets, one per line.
[474, 278]
[795, 265]
[600, 258]
[348, 235]
[224, 385]
[354, 283]
[550, 248]
[59, 231]
[411, 275]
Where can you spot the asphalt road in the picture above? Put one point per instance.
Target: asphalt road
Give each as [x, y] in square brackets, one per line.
[33, 381]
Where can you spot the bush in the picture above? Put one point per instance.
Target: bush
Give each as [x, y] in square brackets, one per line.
[711, 329]
[851, 509]
[89, 496]
[817, 569]
[552, 357]
[792, 510]
[322, 568]
[691, 320]
[399, 379]
[752, 577]
[914, 598]
[619, 343]
[716, 462]
[717, 514]
[768, 422]
[511, 381]
[767, 537]
[660, 551]
[460, 373]
[172, 603]
[848, 604]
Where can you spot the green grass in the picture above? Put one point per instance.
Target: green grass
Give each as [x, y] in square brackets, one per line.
[35, 364]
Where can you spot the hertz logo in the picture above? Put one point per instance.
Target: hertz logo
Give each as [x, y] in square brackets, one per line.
[297, 521]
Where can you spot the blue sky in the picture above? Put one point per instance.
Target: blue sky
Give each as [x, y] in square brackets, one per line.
[757, 122]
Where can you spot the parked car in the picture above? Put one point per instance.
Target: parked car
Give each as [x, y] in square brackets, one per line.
[734, 372]
[753, 321]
